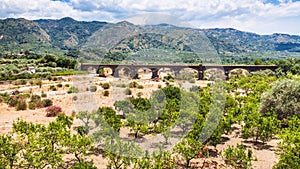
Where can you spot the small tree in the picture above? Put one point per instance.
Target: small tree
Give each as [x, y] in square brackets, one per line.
[128, 91]
[188, 148]
[237, 157]
[53, 111]
[289, 147]
[282, 99]
[105, 86]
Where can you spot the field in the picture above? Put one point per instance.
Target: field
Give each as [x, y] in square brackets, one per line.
[85, 99]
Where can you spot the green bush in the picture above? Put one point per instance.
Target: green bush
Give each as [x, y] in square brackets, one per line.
[31, 105]
[43, 94]
[84, 165]
[139, 94]
[35, 98]
[93, 88]
[19, 82]
[128, 91]
[47, 102]
[105, 86]
[54, 78]
[121, 85]
[73, 90]
[140, 87]
[12, 101]
[59, 85]
[106, 93]
[133, 84]
[238, 157]
[53, 88]
[21, 105]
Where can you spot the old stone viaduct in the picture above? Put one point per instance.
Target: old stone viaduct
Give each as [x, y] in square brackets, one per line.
[200, 68]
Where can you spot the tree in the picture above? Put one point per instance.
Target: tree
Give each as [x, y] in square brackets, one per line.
[138, 122]
[106, 115]
[41, 146]
[257, 61]
[188, 148]
[86, 117]
[123, 106]
[120, 154]
[289, 147]
[157, 160]
[9, 150]
[237, 157]
[282, 99]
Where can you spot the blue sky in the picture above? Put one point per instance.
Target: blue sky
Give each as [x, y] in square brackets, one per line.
[259, 16]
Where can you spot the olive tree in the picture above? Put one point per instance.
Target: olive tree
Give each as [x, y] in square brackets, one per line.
[283, 99]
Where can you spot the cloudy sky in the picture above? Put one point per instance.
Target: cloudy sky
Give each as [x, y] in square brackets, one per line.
[259, 16]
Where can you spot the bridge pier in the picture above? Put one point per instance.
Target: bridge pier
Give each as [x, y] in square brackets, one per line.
[154, 72]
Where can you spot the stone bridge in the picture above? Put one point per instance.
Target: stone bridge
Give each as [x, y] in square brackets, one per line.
[176, 68]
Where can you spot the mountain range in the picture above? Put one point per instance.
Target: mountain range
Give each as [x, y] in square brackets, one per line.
[94, 40]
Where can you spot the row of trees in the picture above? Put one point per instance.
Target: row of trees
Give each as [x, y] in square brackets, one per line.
[32, 145]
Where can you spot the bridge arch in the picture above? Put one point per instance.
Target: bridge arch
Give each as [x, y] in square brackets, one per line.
[125, 72]
[92, 69]
[105, 71]
[164, 71]
[187, 74]
[213, 74]
[238, 72]
[144, 73]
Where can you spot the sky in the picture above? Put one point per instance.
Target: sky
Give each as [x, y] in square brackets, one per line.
[258, 16]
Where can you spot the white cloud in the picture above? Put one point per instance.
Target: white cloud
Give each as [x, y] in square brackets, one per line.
[259, 16]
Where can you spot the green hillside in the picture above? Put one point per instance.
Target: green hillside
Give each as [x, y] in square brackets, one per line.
[95, 41]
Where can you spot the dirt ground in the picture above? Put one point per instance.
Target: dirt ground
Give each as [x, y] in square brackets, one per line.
[86, 100]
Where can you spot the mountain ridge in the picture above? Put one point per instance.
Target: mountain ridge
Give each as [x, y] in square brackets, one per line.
[65, 34]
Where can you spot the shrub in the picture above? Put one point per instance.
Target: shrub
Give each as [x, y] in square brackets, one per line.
[140, 87]
[106, 93]
[59, 85]
[31, 105]
[53, 88]
[12, 101]
[54, 78]
[73, 90]
[105, 85]
[19, 82]
[21, 105]
[82, 165]
[139, 94]
[169, 77]
[238, 157]
[128, 91]
[43, 94]
[93, 88]
[133, 84]
[67, 85]
[35, 98]
[53, 111]
[75, 98]
[1, 99]
[47, 102]
[49, 77]
[121, 85]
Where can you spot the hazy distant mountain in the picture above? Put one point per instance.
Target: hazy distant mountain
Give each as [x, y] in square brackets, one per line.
[68, 33]
[103, 39]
